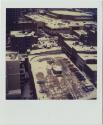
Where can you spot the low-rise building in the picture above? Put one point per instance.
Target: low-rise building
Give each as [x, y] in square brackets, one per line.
[54, 26]
[83, 56]
[71, 15]
[13, 88]
[87, 36]
[68, 36]
[22, 40]
[24, 25]
[56, 77]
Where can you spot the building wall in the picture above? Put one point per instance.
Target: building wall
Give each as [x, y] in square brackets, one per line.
[92, 74]
[21, 44]
[13, 75]
[78, 61]
[24, 26]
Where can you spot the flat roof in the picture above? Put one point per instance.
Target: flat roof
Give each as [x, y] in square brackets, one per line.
[71, 13]
[57, 23]
[12, 56]
[80, 48]
[45, 50]
[93, 67]
[91, 95]
[80, 32]
[54, 86]
[21, 34]
[11, 52]
[88, 56]
[68, 36]
[38, 67]
[70, 42]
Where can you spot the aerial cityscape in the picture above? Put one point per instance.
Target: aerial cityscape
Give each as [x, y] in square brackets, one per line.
[51, 53]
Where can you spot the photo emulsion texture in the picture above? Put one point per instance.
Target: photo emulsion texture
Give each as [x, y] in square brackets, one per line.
[51, 53]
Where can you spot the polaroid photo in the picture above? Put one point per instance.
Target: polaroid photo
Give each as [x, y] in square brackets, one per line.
[51, 62]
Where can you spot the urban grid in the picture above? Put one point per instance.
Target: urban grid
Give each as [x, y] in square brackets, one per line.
[51, 53]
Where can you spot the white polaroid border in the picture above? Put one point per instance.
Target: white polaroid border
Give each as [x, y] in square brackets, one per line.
[38, 112]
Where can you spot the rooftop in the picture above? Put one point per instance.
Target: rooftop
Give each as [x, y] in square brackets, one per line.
[81, 32]
[92, 66]
[71, 13]
[11, 56]
[69, 36]
[80, 48]
[21, 33]
[39, 51]
[88, 56]
[50, 85]
[57, 23]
